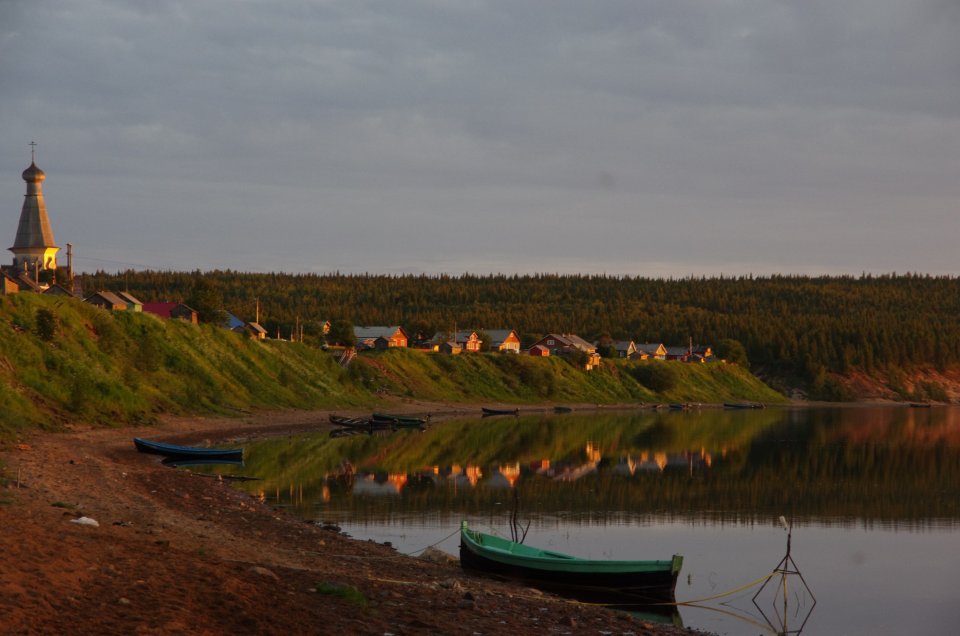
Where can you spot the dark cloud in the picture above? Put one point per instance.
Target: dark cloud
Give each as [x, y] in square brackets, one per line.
[621, 136]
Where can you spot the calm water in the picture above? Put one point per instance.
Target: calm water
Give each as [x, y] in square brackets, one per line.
[874, 494]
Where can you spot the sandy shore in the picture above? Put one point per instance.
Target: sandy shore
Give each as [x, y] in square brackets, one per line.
[177, 553]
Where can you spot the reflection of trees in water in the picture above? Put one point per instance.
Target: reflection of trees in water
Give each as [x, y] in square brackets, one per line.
[881, 465]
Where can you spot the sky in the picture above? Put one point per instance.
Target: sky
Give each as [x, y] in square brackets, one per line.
[664, 138]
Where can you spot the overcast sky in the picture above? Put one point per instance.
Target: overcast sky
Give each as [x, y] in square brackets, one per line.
[651, 138]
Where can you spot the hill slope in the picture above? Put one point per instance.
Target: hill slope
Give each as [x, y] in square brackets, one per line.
[62, 360]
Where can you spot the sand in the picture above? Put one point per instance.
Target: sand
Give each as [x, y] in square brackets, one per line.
[179, 553]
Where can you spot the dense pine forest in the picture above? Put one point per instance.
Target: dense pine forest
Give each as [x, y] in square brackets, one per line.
[794, 327]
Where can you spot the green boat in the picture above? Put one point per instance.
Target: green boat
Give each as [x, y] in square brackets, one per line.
[612, 582]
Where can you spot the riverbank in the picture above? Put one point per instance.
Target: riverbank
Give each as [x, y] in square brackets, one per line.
[179, 553]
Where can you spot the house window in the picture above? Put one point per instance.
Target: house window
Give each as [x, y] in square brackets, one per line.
[550, 342]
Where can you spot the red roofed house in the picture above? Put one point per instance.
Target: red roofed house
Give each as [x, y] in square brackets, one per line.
[172, 310]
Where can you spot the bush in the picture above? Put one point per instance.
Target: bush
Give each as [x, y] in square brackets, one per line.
[45, 324]
[733, 351]
[656, 376]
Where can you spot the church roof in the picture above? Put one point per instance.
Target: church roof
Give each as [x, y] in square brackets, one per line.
[34, 228]
[33, 174]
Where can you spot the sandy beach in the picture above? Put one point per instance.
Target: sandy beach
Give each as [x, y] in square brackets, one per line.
[179, 553]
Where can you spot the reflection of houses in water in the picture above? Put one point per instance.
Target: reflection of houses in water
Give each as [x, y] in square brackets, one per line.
[505, 476]
[626, 465]
[380, 484]
[465, 476]
[647, 462]
[593, 453]
[576, 472]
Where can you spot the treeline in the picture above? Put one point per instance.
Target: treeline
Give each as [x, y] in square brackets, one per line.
[790, 325]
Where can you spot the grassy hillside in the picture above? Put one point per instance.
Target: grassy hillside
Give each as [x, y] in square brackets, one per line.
[62, 360]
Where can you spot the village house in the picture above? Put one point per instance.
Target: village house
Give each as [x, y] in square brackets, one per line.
[107, 300]
[538, 351]
[253, 330]
[504, 340]
[8, 286]
[132, 303]
[654, 350]
[380, 337]
[449, 347]
[177, 311]
[678, 353]
[58, 290]
[468, 340]
[27, 283]
[625, 348]
[565, 344]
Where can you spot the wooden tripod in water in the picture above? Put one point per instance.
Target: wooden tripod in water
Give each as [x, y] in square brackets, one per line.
[786, 568]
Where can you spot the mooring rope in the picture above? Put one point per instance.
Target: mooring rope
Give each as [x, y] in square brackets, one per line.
[746, 586]
[399, 555]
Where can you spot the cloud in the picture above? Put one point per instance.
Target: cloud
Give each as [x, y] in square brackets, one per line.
[445, 136]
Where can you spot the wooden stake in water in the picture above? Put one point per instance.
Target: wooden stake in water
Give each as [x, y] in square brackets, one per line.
[786, 568]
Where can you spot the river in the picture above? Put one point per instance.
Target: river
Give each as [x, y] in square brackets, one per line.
[872, 495]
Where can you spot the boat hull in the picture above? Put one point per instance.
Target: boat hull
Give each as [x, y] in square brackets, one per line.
[488, 412]
[608, 582]
[173, 451]
[399, 420]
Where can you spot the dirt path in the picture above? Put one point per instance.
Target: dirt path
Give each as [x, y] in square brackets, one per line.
[177, 553]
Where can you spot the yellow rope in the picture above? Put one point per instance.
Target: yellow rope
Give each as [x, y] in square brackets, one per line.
[731, 592]
[400, 555]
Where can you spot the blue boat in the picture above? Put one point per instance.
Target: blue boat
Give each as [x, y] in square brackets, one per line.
[187, 452]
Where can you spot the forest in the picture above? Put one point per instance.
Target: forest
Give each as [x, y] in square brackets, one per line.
[797, 327]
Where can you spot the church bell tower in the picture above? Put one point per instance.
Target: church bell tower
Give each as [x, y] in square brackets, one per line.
[34, 248]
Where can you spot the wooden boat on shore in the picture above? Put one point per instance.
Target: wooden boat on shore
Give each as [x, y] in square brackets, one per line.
[488, 412]
[562, 409]
[743, 405]
[360, 423]
[399, 420]
[188, 452]
[602, 581]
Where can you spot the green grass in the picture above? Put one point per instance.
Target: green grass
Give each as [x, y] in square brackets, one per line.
[346, 592]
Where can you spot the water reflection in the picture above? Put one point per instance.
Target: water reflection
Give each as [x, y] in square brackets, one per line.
[883, 466]
[874, 493]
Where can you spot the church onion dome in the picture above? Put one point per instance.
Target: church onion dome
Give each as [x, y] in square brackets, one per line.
[33, 174]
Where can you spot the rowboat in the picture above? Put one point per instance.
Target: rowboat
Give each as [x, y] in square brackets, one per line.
[188, 452]
[488, 412]
[360, 423]
[399, 420]
[604, 581]
[742, 405]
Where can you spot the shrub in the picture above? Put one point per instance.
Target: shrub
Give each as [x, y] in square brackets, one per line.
[656, 376]
[45, 324]
[732, 351]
